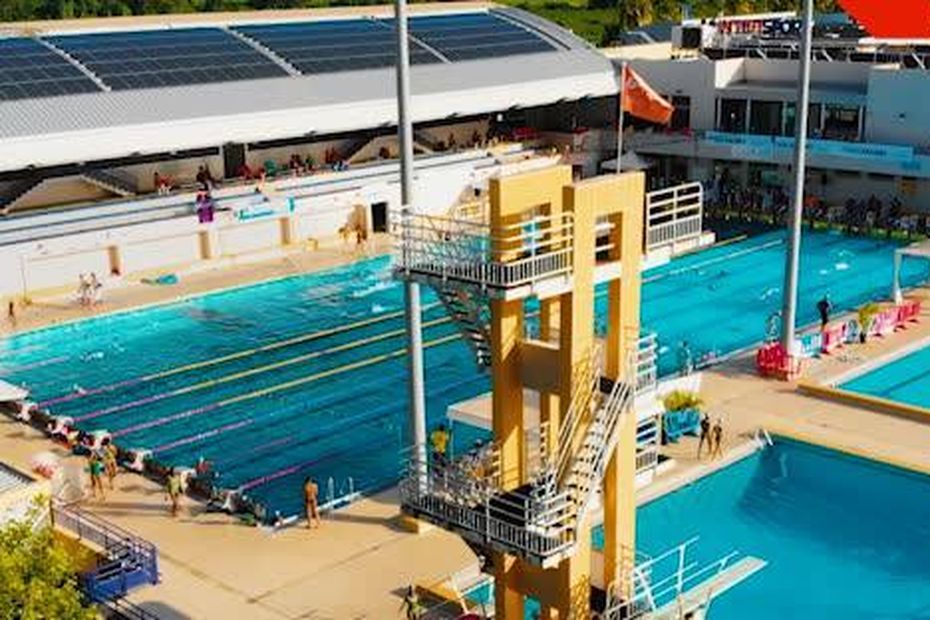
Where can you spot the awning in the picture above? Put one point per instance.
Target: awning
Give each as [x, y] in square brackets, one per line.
[630, 162]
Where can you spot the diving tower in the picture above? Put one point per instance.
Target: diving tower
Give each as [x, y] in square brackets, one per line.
[525, 501]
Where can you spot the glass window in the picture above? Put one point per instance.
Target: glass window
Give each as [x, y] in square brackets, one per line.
[765, 118]
[840, 122]
[813, 120]
[732, 115]
[681, 117]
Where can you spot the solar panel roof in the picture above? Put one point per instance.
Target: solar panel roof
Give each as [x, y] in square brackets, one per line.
[34, 68]
[469, 36]
[156, 58]
[336, 45]
[29, 70]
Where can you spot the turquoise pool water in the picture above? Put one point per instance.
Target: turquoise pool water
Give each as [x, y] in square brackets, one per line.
[906, 380]
[273, 383]
[842, 536]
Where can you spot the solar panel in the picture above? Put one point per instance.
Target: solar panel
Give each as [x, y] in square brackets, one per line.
[30, 70]
[337, 45]
[469, 36]
[159, 58]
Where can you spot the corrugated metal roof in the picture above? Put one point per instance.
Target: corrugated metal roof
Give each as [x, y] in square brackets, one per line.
[91, 126]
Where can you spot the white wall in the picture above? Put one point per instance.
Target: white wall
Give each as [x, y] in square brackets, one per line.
[170, 244]
[694, 77]
[897, 107]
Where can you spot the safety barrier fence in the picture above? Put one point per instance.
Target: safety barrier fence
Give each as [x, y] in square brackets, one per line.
[674, 214]
[128, 561]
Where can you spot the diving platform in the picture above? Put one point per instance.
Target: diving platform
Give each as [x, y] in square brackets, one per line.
[700, 595]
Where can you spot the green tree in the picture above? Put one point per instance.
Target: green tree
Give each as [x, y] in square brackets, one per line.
[37, 576]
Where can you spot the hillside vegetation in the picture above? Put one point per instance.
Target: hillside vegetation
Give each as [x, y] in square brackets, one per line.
[598, 21]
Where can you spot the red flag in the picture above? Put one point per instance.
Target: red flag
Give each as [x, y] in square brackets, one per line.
[640, 100]
[901, 19]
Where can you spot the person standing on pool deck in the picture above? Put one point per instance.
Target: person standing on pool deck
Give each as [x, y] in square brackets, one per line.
[311, 495]
[411, 605]
[824, 307]
[109, 461]
[705, 435]
[173, 490]
[439, 439]
[716, 440]
[95, 469]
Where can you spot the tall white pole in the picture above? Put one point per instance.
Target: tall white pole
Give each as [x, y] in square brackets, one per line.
[620, 114]
[792, 258]
[413, 314]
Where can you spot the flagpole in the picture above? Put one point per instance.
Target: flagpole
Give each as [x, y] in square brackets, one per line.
[620, 114]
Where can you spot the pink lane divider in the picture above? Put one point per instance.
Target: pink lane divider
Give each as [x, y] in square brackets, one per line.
[91, 392]
[131, 404]
[200, 436]
[30, 366]
[166, 419]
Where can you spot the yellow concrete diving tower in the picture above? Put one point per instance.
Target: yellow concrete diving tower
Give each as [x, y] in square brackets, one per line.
[526, 500]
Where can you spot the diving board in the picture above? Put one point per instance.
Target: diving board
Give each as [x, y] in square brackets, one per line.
[700, 595]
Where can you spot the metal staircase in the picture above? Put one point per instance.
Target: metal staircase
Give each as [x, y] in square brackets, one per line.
[542, 519]
[469, 310]
[126, 562]
[112, 181]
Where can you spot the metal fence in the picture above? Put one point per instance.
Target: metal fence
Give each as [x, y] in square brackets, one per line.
[674, 214]
[129, 561]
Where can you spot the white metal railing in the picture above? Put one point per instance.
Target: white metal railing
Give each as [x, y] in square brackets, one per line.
[662, 580]
[543, 517]
[520, 253]
[674, 214]
[647, 358]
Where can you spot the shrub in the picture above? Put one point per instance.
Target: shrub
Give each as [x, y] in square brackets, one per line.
[679, 400]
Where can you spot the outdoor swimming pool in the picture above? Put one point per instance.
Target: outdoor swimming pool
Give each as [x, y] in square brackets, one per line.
[840, 534]
[906, 380]
[306, 375]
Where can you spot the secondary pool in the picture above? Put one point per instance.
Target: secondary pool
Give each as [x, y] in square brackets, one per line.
[306, 375]
[843, 536]
[906, 380]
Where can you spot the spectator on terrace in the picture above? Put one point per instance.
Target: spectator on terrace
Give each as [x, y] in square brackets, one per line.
[475, 139]
[245, 172]
[296, 164]
[162, 184]
[451, 142]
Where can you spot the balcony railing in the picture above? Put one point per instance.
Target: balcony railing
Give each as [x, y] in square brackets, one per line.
[463, 250]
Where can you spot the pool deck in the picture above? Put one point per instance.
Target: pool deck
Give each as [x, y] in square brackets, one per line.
[131, 294]
[359, 561]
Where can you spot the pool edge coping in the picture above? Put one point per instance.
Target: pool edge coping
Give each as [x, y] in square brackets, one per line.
[184, 297]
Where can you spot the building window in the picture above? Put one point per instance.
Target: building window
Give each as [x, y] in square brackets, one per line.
[840, 122]
[681, 117]
[765, 118]
[732, 115]
[813, 120]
